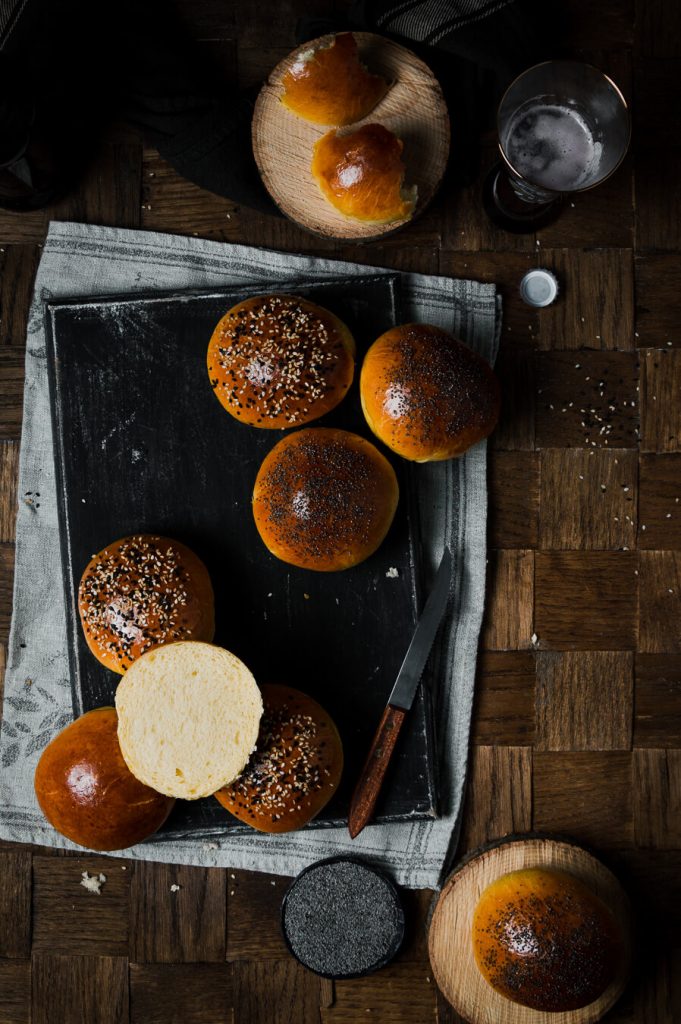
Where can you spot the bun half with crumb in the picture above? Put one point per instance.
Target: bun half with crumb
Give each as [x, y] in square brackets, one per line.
[361, 173]
[426, 395]
[141, 592]
[324, 499]
[188, 718]
[87, 792]
[279, 361]
[327, 83]
[295, 768]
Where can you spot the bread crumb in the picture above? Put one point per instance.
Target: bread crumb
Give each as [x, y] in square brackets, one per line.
[534, 639]
[392, 573]
[174, 887]
[210, 846]
[93, 883]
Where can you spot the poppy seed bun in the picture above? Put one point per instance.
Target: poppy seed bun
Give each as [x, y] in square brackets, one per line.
[324, 499]
[361, 173]
[280, 361]
[188, 718]
[87, 792]
[327, 84]
[295, 768]
[140, 592]
[426, 395]
[543, 939]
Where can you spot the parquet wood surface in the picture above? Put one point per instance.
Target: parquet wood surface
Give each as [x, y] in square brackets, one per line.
[577, 722]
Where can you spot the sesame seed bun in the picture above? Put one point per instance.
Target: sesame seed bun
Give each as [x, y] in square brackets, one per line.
[361, 173]
[426, 395]
[324, 499]
[327, 84]
[141, 592]
[295, 768]
[277, 361]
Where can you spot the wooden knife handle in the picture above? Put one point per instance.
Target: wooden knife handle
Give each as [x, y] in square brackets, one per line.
[376, 765]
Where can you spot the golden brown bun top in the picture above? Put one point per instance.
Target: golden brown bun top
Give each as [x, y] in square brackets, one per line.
[324, 499]
[140, 592]
[279, 361]
[87, 792]
[295, 768]
[361, 173]
[425, 394]
[543, 939]
[327, 84]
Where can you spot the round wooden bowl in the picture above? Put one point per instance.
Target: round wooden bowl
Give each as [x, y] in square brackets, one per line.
[450, 937]
[413, 108]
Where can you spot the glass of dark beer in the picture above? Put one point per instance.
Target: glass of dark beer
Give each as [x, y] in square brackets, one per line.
[563, 127]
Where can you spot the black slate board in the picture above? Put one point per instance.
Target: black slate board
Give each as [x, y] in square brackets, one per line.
[142, 445]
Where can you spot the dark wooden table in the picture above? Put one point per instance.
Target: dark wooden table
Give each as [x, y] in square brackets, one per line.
[577, 727]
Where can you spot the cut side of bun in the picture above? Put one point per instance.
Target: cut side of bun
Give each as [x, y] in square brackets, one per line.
[188, 718]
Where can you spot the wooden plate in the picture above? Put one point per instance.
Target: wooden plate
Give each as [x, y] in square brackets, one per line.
[449, 940]
[413, 108]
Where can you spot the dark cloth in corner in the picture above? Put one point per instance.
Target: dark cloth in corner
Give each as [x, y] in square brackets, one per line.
[79, 69]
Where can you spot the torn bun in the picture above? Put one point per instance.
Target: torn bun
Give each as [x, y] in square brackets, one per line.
[361, 173]
[328, 85]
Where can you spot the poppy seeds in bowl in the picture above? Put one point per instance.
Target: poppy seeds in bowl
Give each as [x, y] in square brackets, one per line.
[342, 918]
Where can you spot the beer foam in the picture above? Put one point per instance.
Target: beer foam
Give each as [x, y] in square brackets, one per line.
[552, 145]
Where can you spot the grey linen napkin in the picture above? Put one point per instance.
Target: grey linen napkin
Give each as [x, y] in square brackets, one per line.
[81, 260]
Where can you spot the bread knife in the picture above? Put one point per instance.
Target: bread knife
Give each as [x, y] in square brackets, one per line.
[400, 700]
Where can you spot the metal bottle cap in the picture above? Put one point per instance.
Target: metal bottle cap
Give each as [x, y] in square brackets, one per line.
[539, 288]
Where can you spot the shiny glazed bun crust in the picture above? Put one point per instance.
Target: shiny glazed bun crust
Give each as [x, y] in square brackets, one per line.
[295, 768]
[324, 499]
[361, 173]
[426, 395]
[280, 361]
[543, 939]
[87, 792]
[327, 84]
[141, 592]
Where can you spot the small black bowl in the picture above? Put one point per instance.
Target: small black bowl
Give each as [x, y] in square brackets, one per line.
[326, 923]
